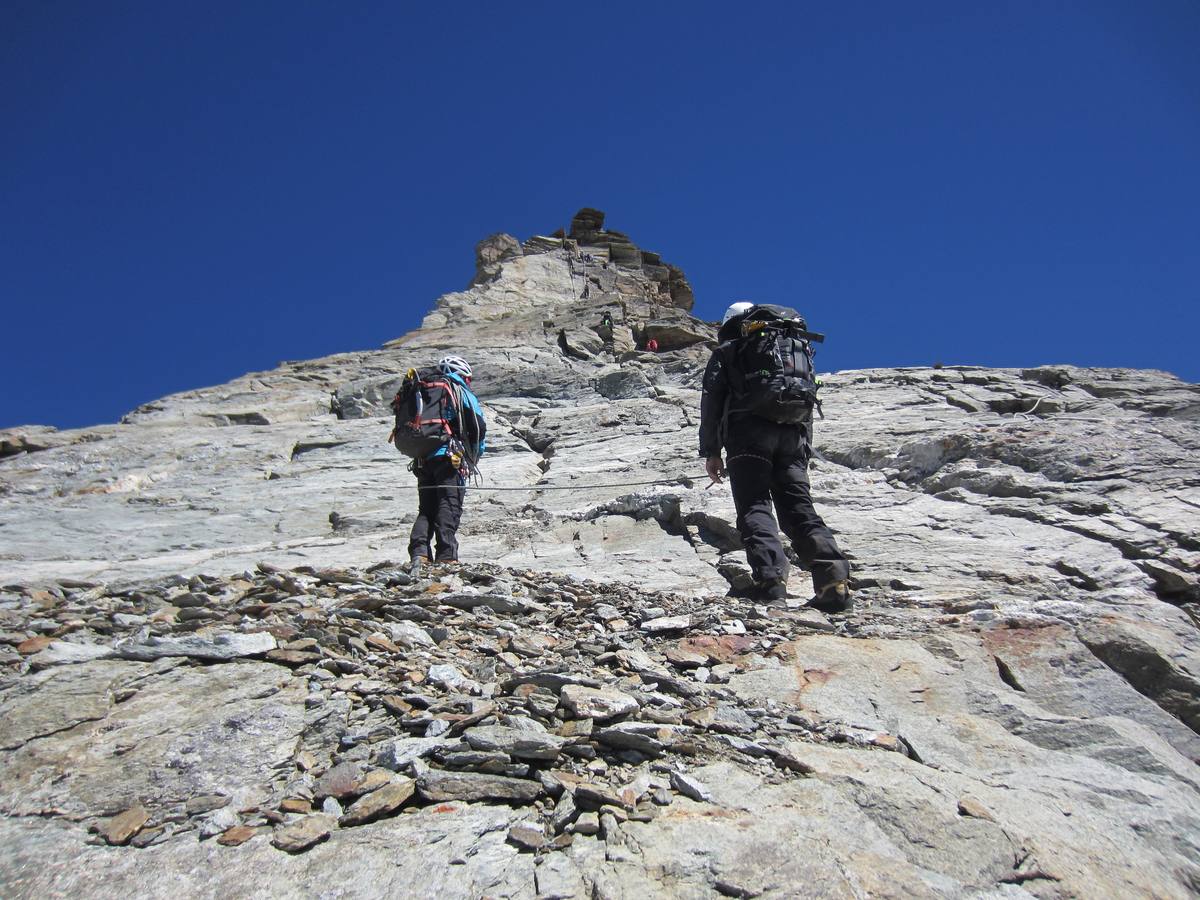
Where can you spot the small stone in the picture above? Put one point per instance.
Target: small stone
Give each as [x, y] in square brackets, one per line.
[742, 745]
[374, 780]
[331, 807]
[61, 653]
[564, 813]
[120, 828]
[792, 763]
[384, 802]
[34, 645]
[293, 658]
[617, 813]
[517, 743]
[575, 728]
[972, 808]
[609, 826]
[600, 704]
[305, 761]
[667, 623]
[298, 836]
[147, 836]
[717, 650]
[887, 742]
[379, 642]
[731, 719]
[561, 842]
[403, 752]
[684, 657]
[527, 835]
[216, 648]
[590, 795]
[296, 805]
[648, 738]
[690, 787]
[722, 672]
[532, 645]
[451, 679]
[408, 635]
[588, 823]
[218, 822]
[340, 782]
[493, 762]
[438, 786]
[198, 806]
[236, 835]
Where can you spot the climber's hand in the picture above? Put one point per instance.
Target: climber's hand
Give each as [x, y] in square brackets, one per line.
[715, 468]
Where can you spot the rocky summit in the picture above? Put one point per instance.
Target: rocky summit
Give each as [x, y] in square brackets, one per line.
[218, 679]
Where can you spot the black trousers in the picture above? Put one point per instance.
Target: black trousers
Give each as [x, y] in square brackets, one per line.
[768, 462]
[440, 493]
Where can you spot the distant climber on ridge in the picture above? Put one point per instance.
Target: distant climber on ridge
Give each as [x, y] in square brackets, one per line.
[758, 400]
[440, 424]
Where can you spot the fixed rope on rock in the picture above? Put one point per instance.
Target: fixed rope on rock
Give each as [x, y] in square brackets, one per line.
[687, 481]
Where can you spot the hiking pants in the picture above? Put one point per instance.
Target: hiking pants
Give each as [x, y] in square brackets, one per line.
[768, 462]
[440, 492]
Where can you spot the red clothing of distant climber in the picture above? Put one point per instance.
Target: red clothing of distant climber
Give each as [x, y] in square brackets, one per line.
[652, 345]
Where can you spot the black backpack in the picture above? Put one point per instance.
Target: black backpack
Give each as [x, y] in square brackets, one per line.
[770, 365]
[426, 414]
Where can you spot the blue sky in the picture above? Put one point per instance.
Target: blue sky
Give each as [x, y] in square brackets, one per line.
[192, 191]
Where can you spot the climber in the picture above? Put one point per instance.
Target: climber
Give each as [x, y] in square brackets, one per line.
[767, 459]
[607, 330]
[442, 474]
[652, 345]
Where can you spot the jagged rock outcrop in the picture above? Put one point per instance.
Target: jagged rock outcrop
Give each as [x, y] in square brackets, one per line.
[216, 678]
[491, 252]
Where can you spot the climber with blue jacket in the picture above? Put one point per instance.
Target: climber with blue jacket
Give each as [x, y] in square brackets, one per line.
[442, 474]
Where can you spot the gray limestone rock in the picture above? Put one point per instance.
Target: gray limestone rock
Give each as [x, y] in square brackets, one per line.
[471, 786]
[384, 802]
[491, 252]
[596, 703]
[1011, 709]
[298, 836]
[517, 743]
[219, 648]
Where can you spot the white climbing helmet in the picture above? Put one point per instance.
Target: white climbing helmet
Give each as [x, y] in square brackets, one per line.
[736, 309]
[454, 364]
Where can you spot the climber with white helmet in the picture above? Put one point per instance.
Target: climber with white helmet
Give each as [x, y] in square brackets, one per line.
[440, 410]
[760, 391]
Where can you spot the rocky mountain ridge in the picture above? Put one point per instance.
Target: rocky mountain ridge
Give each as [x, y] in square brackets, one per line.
[219, 680]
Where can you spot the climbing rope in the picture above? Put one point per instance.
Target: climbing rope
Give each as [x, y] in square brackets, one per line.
[687, 481]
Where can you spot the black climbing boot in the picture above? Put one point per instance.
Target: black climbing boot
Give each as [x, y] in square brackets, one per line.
[833, 598]
[772, 593]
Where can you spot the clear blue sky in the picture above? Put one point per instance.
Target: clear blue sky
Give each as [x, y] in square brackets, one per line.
[190, 191]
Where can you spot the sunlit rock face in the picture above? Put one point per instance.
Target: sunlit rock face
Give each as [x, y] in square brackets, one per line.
[217, 676]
